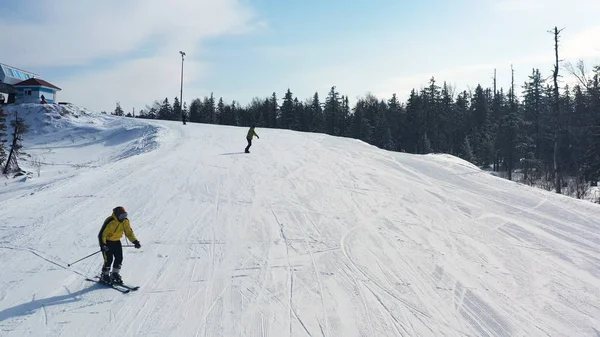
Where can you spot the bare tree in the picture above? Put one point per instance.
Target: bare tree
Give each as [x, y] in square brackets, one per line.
[2, 135]
[513, 107]
[580, 73]
[37, 163]
[558, 127]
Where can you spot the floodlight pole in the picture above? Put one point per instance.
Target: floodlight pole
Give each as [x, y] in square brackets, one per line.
[181, 92]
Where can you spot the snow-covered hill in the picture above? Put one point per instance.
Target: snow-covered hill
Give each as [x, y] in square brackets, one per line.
[309, 235]
[64, 140]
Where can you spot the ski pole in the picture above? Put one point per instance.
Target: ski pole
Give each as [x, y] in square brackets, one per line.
[84, 258]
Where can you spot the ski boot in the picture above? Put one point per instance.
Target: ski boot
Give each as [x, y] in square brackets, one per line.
[105, 277]
[116, 278]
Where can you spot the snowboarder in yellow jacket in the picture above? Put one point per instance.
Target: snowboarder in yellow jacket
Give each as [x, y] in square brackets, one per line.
[110, 243]
[249, 136]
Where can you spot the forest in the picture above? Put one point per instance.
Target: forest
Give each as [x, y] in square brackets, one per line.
[522, 133]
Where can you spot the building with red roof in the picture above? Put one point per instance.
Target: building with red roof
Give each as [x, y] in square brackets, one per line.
[35, 90]
[25, 87]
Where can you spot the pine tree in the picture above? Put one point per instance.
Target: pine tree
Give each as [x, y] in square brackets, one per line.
[479, 109]
[509, 128]
[287, 111]
[415, 124]
[467, 151]
[592, 156]
[165, 111]
[185, 113]
[534, 111]
[305, 122]
[426, 144]
[377, 113]
[176, 111]
[333, 113]
[446, 114]
[344, 116]
[481, 139]
[257, 113]
[118, 110]
[211, 109]
[460, 123]
[19, 129]
[206, 111]
[273, 111]
[234, 113]
[297, 114]
[396, 117]
[431, 103]
[222, 117]
[388, 141]
[316, 117]
[195, 111]
[152, 111]
[360, 127]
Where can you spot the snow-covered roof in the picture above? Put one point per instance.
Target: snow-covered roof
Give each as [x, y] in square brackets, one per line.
[12, 75]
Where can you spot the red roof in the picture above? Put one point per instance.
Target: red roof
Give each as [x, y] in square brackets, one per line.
[36, 82]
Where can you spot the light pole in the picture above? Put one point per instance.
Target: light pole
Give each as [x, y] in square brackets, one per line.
[181, 92]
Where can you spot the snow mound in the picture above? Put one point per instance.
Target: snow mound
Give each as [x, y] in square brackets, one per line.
[453, 161]
[46, 118]
[64, 139]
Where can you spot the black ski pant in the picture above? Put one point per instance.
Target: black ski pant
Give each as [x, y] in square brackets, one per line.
[115, 251]
[249, 144]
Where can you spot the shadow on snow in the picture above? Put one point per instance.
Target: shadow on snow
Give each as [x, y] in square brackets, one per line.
[29, 308]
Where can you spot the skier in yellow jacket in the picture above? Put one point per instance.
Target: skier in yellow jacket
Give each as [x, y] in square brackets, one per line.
[251, 133]
[110, 243]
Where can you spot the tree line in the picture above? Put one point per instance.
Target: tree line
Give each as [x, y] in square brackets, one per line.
[515, 131]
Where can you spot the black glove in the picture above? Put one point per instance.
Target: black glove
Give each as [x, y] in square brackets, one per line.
[104, 248]
[136, 244]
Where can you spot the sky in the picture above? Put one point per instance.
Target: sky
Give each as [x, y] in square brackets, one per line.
[103, 52]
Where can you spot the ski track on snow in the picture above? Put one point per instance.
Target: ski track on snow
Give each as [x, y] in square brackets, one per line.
[308, 235]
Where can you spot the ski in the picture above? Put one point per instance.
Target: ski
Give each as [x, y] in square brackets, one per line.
[114, 286]
[132, 288]
[123, 288]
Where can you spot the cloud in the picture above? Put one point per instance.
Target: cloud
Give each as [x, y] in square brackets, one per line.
[67, 33]
[516, 5]
[134, 83]
[115, 50]
[584, 44]
[539, 6]
[463, 76]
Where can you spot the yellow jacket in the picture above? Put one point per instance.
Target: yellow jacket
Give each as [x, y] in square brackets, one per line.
[112, 230]
[251, 133]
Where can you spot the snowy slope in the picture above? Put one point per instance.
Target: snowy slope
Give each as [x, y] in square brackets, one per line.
[309, 235]
[65, 140]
